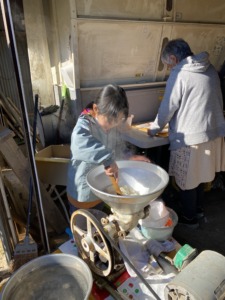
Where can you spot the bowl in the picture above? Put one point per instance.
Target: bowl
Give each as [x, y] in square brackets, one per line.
[159, 233]
[158, 215]
[53, 276]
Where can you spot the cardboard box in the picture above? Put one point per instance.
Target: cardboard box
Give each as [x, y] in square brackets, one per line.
[52, 164]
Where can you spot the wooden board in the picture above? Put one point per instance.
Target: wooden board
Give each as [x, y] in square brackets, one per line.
[19, 164]
[144, 127]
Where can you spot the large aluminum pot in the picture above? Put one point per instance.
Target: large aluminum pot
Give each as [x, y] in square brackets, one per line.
[54, 276]
[147, 179]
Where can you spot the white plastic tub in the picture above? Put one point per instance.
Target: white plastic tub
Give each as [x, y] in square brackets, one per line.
[158, 215]
[160, 233]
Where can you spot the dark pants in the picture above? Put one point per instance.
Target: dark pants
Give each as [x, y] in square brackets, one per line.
[191, 201]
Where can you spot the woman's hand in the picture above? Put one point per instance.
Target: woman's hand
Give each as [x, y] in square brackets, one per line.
[140, 158]
[112, 170]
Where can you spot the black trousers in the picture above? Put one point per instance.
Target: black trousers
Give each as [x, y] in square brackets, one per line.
[191, 201]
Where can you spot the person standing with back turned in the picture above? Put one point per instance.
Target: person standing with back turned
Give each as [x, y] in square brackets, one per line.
[193, 107]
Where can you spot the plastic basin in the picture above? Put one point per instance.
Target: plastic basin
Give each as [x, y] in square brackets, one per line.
[159, 233]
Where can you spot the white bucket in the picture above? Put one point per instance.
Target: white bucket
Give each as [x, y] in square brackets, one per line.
[160, 233]
[54, 276]
[158, 215]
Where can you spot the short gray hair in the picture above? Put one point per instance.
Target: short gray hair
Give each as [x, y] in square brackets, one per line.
[178, 47]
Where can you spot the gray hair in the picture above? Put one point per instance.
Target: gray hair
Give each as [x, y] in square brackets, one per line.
[178, 47]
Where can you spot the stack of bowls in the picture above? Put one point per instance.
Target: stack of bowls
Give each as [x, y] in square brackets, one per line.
[159, 227]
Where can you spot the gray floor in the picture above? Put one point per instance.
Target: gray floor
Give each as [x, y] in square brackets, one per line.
[211, 233]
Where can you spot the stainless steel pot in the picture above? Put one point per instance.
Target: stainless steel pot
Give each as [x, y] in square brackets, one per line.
[54, 276]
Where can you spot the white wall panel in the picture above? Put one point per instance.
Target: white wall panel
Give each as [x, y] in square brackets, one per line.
[143, 101]
[206, 11]
[129, 52]
[121, 52]
[204, 38]
[125, 9]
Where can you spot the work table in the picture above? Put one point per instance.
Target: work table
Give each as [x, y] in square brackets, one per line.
[142, 139]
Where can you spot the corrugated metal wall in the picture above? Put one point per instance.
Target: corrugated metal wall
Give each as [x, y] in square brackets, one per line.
[7, 75]
[8, 83]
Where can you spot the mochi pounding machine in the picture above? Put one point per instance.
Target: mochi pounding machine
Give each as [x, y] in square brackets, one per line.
[97, 234]
[91, 227]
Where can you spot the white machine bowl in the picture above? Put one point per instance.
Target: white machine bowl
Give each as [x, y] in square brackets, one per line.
[159, 233]
[147, 179]
[53, 276]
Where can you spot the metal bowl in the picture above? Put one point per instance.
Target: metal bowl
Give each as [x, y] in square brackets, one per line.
[147, 179]
[53, 276]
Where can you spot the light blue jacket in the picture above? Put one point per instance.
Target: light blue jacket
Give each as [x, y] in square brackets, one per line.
[90, 147]
[192, 103]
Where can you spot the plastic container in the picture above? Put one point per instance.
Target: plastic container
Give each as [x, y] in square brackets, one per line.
[53, 276]
[158, 215]
[159, 233]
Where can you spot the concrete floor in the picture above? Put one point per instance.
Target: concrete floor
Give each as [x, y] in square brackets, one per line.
[211, 233]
